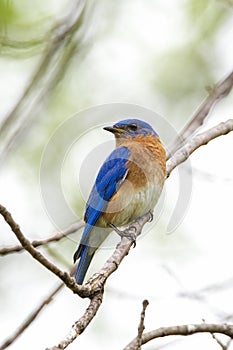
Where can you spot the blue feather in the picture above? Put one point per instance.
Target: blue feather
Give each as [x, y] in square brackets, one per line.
[110, 177]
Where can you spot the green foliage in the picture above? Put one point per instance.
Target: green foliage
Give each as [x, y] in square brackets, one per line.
[8, 14]
[205, 17]
[24, 26]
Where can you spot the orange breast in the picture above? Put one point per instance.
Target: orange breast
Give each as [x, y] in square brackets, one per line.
[156, 149]
[147, 161]
[146, 169]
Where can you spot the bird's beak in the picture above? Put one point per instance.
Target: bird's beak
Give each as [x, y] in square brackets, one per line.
[114, 130]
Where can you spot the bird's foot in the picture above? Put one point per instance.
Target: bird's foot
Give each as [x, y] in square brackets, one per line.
[151, 215]
[129, 233]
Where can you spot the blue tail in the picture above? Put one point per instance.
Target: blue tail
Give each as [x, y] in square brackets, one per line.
[85, 253]
[91, 239]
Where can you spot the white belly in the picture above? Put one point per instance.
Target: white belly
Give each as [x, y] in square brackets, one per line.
[145, 200]
[138, 204]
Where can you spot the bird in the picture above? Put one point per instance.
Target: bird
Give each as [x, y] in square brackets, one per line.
[128, 185]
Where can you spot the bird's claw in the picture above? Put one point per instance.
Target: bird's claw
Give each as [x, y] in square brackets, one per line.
[131, 236]
[151, 215]
[126, 233]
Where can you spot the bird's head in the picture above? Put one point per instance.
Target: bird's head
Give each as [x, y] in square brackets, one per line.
[131, 128]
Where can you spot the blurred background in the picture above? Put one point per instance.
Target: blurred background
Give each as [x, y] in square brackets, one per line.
[58, 58]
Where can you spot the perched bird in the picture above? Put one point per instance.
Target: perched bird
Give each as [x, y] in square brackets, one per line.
[127, 186]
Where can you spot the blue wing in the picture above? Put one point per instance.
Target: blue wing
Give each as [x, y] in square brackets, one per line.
[110, 177]
[108, 181]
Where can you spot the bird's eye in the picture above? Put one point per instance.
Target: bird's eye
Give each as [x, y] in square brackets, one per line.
[133, 127]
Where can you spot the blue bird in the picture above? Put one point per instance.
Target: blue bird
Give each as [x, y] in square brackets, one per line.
[127, 186]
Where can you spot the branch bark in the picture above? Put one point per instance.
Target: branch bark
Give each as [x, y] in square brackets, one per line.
[197, 141]
[141, 326]
[26, 244]
[37, 243]
[80, 325]
[182, 330]
[218, 92]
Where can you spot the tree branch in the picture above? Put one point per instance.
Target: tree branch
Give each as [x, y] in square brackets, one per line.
[80, 325]
[141, 326]
[219, 342]
[64, 276]
[218, 92]
[37, 243]
[122, 248]
[197, 141]
[182, 330]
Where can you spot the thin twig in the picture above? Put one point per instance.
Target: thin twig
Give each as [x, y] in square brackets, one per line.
[197, 141]
[64, 276]
[219, 342]
[37, 243]
[182, 330]
[213, 288]
[141, 326]
[218, 92]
